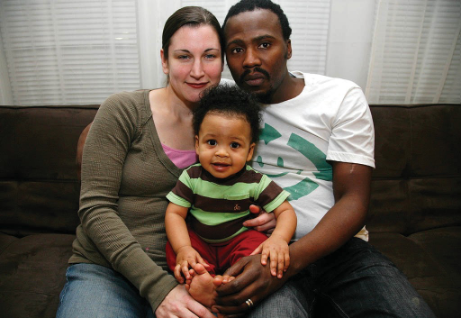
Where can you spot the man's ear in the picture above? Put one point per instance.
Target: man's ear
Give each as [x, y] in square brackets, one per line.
[251, 149]
[164, 60]
[289, 49]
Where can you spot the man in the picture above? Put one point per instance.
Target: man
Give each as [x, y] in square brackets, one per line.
[318, 143]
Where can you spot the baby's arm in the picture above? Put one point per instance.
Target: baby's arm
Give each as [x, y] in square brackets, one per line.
[276, 246]
[178, 236]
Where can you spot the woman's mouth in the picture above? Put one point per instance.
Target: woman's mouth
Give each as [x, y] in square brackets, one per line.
[197, 85]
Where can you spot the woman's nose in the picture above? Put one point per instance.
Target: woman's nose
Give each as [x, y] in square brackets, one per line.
[197, 70]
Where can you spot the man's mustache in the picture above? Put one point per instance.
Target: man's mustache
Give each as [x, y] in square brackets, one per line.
[256, 69]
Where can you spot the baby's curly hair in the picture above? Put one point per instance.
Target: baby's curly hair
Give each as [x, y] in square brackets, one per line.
[229, 100]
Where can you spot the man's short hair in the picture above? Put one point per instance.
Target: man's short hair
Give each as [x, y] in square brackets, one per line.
[251, 5]
[231, 101]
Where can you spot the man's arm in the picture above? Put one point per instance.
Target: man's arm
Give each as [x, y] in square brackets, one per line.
[351, 183]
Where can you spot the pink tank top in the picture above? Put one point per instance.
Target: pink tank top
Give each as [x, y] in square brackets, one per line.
[181, 158]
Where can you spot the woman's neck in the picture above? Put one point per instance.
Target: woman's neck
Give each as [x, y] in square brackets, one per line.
[173, 119]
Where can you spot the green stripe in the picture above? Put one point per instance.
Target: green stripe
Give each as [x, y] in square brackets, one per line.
[276, 202]
[212, 190]
[215, 218]
[172, 197]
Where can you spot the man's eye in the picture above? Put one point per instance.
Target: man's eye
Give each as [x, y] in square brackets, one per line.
[212, 142]
[265, 45]
[236, 50]
[235, 145]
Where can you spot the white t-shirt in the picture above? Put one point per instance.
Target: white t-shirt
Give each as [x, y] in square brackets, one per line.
[329, 120]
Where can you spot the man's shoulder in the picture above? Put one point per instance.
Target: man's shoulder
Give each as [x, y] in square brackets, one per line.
[323, 80]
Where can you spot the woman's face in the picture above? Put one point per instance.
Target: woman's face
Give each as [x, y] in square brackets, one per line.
[194, 61]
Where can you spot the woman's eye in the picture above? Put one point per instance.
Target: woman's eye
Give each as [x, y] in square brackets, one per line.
[212, 142]
[183, 57]
[235, 145]
[210, 56]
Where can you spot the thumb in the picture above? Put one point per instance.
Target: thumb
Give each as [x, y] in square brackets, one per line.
[258, 250]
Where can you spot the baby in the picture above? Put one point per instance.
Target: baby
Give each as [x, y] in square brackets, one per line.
[215, 195]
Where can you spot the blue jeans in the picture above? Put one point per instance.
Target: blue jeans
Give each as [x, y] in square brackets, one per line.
[354, 281]
[96, 291]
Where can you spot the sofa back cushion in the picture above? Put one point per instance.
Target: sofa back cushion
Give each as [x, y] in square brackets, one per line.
[39, 189]
[416, 185]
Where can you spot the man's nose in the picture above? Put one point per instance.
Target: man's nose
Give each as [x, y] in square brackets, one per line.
[251, 58]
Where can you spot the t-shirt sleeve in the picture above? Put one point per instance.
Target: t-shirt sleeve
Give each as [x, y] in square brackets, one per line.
[352, 139]
[182, 193]
[271, 195]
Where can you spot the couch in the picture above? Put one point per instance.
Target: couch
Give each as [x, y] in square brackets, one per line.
[414, 215]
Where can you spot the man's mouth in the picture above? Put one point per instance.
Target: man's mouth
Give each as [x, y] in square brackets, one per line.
[254, 77]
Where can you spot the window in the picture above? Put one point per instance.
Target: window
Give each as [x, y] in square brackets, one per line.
[415, 56]
[69, 52]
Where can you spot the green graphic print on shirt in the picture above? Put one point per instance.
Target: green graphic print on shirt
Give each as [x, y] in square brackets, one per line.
[309, 151]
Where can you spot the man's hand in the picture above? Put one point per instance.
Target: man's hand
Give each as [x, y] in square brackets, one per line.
[264, 222]
[253, 281]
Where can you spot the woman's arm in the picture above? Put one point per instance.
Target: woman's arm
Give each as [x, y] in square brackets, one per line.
[351, 184]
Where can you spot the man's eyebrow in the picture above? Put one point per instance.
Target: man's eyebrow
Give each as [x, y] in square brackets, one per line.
[256, 39]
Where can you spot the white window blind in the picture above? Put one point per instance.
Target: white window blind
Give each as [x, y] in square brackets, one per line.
[69, 52]
[415, 54]
[309, 20]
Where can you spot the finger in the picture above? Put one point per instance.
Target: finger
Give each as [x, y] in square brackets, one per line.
[177, 274]
[255, 209]
[286, 261]
[274, 263]
[264, 257]
[185, 270]
[280, 264]
[257, 250]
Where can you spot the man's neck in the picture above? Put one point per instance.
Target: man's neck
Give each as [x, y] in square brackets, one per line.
[290, 88]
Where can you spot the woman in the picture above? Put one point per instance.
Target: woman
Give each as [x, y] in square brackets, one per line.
[137, 146]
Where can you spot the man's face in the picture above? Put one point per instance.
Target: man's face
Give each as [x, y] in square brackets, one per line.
[257, 53]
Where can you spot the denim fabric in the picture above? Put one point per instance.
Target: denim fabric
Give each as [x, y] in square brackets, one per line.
[96, 291]
[354, 281]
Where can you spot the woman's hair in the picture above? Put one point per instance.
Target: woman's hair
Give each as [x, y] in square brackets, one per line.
[191, 16]
[230, 101]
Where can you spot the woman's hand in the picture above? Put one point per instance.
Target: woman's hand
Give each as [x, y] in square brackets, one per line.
[264, 222]
[178, 303]
[253, 281]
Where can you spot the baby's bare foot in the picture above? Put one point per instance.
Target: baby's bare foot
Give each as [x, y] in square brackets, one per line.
[202, 286]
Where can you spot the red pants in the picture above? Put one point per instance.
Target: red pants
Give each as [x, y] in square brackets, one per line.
[220, 256]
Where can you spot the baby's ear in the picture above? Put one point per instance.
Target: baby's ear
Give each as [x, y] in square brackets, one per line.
[196, 138]
[251, 149]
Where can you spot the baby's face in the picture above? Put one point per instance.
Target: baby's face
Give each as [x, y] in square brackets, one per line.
[223, 144]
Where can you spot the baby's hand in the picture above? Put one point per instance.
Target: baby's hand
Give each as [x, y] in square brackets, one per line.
[186, 258]
[277, 250]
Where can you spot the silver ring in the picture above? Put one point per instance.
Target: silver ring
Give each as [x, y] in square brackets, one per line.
[249, 303]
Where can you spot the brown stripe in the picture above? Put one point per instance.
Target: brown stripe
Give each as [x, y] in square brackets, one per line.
[183, 191]
[222, 205]
[269, 194]
[243, 176]
[220, 231]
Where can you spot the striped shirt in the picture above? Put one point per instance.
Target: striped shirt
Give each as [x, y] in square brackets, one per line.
[219, 206]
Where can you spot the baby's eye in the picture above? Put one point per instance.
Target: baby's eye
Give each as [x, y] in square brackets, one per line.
[212, 142]
[235, 145]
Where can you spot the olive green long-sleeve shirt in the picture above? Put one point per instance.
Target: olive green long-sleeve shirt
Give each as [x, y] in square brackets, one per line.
[125, 179]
